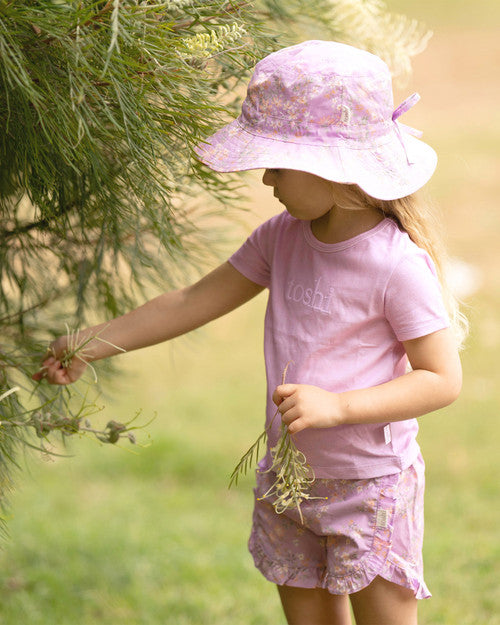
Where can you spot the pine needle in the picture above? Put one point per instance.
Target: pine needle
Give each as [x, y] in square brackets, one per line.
[115, 31]
[9, 392]
[247, 459]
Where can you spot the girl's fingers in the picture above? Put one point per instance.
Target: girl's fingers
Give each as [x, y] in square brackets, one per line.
[294, 420]
[43, 371]
[277, 397]
[290, 415]
[40, 374]
[286, 404]
[282, 391]
[61, 377]
[297, 426]
[285, 390]
[55, 373]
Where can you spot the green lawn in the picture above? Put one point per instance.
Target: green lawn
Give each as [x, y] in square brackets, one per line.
[154, 537]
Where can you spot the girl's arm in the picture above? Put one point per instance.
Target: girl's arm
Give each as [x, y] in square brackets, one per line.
[434, 382]
[162, 318]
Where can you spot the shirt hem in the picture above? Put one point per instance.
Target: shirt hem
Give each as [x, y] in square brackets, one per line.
[390, 466]
[423, 330]
[244, 270]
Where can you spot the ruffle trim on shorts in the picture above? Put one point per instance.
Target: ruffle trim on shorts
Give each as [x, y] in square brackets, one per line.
[286, 574]
[400, 575]
[378, 562]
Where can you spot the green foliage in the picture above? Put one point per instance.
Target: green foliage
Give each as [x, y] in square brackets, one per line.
[101, 105]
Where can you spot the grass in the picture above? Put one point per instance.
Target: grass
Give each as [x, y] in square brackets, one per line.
[154, 538]
[118, 546]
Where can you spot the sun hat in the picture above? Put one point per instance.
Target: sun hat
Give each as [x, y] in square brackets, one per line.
[325, 108]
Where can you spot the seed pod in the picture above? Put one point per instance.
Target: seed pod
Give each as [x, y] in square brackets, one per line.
[114, 431]
[113, 437]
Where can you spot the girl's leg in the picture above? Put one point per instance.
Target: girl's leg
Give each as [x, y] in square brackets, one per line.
[314, 606]
[384, 603]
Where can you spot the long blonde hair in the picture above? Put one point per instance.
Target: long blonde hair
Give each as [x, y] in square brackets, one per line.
[418, 218]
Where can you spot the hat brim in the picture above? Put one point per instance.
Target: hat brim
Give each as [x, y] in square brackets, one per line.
[386, 171]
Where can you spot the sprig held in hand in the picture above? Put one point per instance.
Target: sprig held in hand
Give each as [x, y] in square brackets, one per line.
[293, 475]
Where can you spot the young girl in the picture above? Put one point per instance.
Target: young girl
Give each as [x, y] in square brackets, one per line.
[355, 304]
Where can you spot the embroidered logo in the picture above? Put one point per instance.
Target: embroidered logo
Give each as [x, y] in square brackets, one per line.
[314, 297]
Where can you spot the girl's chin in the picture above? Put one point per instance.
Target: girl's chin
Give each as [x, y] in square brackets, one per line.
[298, 215]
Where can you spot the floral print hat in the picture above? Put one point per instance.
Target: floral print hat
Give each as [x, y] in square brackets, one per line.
[325, 108]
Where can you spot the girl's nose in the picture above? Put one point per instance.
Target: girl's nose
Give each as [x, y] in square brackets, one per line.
[268, 178]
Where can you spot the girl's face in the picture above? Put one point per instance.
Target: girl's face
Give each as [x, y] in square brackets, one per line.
[305, 196]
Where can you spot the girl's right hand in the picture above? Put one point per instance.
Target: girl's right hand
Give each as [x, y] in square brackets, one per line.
[52, 368]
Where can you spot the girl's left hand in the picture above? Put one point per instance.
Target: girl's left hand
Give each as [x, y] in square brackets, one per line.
[304, 406]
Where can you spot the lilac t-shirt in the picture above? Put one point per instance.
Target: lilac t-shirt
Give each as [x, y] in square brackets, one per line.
[339, 312]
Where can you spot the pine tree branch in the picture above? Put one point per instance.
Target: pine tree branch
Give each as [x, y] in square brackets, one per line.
[15, 317]
[105, 9]
[231, 8]
[95, 18]
[228, 9]
[107, 161]
[41, 224]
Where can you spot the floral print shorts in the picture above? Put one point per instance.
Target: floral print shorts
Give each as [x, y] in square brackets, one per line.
[357, 530]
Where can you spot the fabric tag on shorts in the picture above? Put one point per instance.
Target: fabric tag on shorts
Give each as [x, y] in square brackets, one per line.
[382, 518]
[387, 434]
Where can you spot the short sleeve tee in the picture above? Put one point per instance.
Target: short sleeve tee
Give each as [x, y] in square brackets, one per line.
[339, 313]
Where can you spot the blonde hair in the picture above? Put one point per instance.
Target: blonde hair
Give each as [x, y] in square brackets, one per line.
[418, 218]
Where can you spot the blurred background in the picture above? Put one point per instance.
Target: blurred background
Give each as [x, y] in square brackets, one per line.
[154, 536]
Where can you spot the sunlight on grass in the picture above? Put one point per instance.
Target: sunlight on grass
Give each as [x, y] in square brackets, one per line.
[156, 538]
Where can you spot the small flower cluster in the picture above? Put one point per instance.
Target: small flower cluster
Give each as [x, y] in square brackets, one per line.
[293, 475]
[207, 45]
[46, 422]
